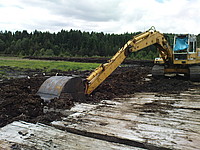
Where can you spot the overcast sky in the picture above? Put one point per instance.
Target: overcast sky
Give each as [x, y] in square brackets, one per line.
[109, 16]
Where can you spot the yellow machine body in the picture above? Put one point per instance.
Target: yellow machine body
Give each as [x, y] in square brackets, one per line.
[183, 60]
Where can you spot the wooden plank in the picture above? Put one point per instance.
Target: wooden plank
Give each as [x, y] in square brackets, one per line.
[39, 136]
[165, 121]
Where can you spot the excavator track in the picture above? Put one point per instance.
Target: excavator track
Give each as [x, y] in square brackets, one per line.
[158, 71]
[195, 73]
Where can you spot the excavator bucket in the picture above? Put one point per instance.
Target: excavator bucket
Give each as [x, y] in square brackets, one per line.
[57, 86]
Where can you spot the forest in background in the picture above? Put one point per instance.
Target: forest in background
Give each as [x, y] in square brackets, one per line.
[73, 43]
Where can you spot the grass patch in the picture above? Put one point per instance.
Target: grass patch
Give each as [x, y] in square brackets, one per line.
[46, 65]
[2, 72]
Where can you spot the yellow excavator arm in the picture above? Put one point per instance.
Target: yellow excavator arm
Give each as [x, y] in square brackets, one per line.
[145, 39]
[58, 86]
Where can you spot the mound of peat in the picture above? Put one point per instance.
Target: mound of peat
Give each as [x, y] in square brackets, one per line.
[18, 99]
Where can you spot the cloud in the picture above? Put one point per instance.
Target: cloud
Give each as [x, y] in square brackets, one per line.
[89, 10]
[111, 16]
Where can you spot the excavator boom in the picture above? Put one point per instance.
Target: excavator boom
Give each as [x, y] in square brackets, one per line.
[150, 37]
[145, 39]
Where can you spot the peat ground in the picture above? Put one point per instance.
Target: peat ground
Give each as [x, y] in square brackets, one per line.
[18, 99]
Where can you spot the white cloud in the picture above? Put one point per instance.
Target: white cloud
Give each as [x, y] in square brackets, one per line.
[113, 16]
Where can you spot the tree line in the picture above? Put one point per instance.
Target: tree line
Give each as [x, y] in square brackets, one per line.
[69, 43]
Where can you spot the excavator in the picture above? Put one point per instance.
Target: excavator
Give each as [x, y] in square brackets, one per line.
[184, 58]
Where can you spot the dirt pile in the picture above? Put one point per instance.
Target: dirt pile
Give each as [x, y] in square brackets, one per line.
[129, 80]
[18, 99]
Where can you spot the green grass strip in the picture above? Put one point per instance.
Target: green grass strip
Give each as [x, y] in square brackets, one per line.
[46, 65]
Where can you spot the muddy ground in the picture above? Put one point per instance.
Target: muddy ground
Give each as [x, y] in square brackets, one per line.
[18, 99]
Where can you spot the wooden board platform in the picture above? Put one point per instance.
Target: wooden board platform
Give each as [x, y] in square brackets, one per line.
[146, 120]
[28, 136]
[139, 121]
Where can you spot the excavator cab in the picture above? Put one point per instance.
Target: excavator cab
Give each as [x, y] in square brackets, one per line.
[184, 47]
